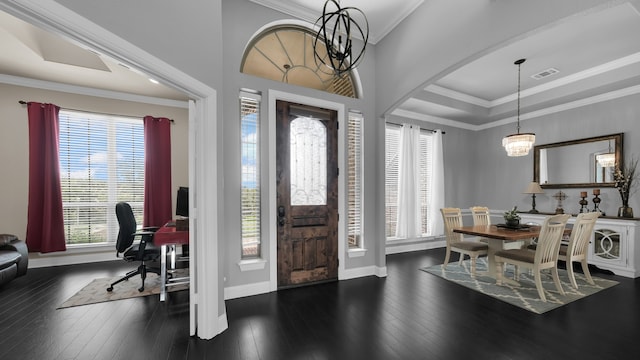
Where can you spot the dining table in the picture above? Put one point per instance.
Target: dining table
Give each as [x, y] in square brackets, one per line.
[497, 236]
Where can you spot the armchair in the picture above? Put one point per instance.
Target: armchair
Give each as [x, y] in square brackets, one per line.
[14, 258]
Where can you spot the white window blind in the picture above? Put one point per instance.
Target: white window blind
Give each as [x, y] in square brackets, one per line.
[354, 181]
[426, 144]
[101, 163]
[392, 148]
[250, 176]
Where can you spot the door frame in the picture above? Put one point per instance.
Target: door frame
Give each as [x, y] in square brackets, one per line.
[210, 319]
[270, 212]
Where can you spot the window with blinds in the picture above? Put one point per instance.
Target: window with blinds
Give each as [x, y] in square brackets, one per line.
[250, 174]
[101, 163]
[354, 180]
[392, 149]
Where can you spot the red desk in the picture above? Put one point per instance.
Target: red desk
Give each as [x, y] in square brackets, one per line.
[167, 237]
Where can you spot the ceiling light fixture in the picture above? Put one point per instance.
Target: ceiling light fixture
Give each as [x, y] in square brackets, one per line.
[335, 31]
[518, 144]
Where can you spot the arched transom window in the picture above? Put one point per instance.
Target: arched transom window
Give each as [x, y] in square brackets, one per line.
[285, 53]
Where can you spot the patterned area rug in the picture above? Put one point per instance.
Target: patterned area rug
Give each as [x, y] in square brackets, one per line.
[96, 290]
[525, 296]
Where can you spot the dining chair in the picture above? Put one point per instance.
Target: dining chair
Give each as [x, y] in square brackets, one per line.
[452, 218]
[576, 250]
[544, 257]
[481, 216]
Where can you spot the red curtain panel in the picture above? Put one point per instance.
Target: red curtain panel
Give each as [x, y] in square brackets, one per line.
[157, 171]
[45, 223]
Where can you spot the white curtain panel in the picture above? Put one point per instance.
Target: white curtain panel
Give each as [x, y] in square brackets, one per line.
[408, 225]
[437, 187]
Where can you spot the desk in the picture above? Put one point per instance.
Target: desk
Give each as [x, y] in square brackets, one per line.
[168, 237]
[496, 237]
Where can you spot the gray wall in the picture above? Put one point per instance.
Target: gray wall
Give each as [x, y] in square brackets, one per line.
[501, 179]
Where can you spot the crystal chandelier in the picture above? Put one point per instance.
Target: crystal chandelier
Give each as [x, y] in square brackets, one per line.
[607, 159]
[518, 144]
[335, 31]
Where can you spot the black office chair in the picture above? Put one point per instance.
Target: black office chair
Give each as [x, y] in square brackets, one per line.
[144, 251]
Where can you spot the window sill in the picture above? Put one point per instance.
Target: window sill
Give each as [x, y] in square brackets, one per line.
[356, 252]
[252, 264]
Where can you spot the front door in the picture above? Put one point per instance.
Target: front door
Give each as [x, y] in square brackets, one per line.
[307, 194]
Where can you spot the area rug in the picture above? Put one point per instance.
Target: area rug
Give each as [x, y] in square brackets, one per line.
[526, 295]
[96, 290]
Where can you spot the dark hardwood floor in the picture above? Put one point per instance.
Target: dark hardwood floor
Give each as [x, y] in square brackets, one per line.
[408, 315]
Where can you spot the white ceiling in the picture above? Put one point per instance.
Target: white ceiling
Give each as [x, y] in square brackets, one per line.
[597, 55]
[31, 53]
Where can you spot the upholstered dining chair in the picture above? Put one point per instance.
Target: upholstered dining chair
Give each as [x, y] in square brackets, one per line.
[452, 218]
[576, 250]
[481, 216]
[544, 257]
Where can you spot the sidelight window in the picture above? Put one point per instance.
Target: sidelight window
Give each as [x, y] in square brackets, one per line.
[250, 174]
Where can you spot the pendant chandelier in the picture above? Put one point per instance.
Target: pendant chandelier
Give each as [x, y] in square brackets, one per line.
[518, 144]
[333, 48]
[606, 160]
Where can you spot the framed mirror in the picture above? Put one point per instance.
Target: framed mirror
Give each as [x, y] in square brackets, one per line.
[577, 163]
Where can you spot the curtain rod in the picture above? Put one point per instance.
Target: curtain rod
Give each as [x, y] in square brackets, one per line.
[399, 125]
[22, 102]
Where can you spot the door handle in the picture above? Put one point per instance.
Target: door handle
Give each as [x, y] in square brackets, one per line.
[281, 215]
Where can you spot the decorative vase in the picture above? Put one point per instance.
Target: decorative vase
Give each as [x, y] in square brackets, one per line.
[512, 222]
[625, 212]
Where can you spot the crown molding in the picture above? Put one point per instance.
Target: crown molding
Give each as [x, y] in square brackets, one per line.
[612, 95]
[81, 90]
[310, 15]
[456, 95]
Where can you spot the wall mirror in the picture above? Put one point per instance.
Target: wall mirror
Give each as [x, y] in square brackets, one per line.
[574, 164]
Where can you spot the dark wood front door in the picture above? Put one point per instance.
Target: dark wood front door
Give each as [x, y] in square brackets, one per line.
[307, 186]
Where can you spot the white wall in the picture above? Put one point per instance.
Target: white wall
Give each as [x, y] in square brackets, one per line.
[441, 36]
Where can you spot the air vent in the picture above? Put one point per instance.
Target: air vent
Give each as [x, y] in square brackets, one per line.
[545, 73]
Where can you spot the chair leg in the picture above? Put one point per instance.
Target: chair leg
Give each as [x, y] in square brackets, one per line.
[585, 270]
[460, 259]
[572, 277]
[499, 273]
[129, 275]
[556, 280]
[447, 256]
[473, 266]
[538, 278]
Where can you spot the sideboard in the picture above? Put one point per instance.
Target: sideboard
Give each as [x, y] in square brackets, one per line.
[614, 244]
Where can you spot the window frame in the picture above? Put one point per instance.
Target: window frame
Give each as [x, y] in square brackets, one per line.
[74, 147]
[426, 171]
[355, 188]
[247, 251]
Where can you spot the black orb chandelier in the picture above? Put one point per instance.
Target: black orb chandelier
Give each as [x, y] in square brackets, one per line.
[335, 31]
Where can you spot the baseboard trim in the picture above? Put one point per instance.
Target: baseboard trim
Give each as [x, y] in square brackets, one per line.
[234, 292]
[415, 246]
